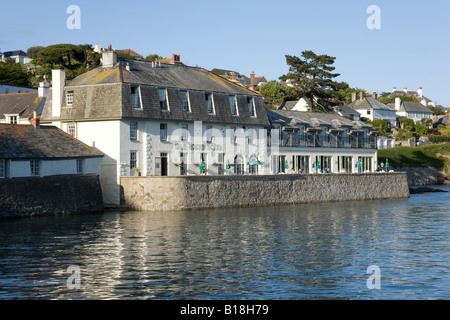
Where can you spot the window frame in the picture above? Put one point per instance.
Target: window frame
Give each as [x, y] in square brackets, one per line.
[72, 128]
[232, 99]
[163, 101]
[161, 138]
[69, 97]
[136, 96]
[251, 106]
[209, 103]
[80, 166]
[184, 98]
[134, 130]
[35, 168]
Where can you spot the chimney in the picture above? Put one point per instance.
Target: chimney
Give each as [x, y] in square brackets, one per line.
[353, 96]
[405, 90]
[175, 57]
[58, 82]
[375, 95]
[233, 76]
[394, 89]
[35, 120]
[252, 81]
[43, 89]
[361, 95]
[420, 92]
[398, 102]
[109, 58]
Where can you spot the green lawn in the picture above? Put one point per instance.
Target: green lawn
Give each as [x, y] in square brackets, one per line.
[422, 156]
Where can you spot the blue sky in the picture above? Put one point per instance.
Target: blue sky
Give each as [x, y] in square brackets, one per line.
[409, 50]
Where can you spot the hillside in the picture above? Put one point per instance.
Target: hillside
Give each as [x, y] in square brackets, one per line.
[433, 155]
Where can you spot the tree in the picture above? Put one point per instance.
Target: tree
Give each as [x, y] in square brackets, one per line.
[60, 54]
[13, 73]
[33, 51]
[312, 77]
[273, 90]
[381, 126]
[153, 57]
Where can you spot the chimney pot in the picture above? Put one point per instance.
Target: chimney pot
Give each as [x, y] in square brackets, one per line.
[353, 96]
[361, 95]
[375, 95]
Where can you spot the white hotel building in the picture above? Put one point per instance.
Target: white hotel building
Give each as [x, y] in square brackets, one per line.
[171, 119]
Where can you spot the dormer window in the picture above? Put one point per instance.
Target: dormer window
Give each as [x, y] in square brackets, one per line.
[135, 99]
[163, 99]
[251, 106]
[13, 119]
[209, 104]
[69, 98]
[184, 100]
[233, 105]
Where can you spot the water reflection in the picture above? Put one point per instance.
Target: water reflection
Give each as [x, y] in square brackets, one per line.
[311, 251]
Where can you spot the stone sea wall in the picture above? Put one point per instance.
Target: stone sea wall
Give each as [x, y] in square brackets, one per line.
[196, 192]
[52, 195]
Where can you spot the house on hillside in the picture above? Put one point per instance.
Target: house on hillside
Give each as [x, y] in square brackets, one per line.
[18, 108]
[413, 110]
[369, 107]
[159, 119]
[416, 94]
[321, 142]
[38, 151]
[18, 56]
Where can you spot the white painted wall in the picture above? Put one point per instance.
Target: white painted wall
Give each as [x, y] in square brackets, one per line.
[21, 168]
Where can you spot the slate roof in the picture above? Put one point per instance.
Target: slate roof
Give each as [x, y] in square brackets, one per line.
[369, 103]
[47, 142]
[105, 93]
[21, 103]
[346, 110]
[172, 76]
[409, 106]
[288, 118]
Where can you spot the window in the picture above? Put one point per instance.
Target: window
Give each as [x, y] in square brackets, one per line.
[34, 168]
[184, 132]
[135, 101]
[238, 166]
[368, 112]
[233, 108]
[251, 107]
[163, 99]
[133, 130]
[69, 98]
[183, 164]
[80, 166]
[133, 161]
[220, 168]
[2, 169]
[163, 132]
[208, 101]
[184, 100]
[208, 133]
[72, 129]
[13, 119]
